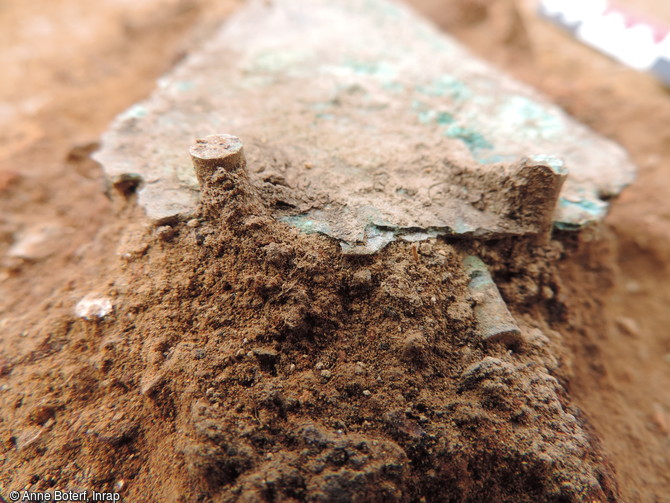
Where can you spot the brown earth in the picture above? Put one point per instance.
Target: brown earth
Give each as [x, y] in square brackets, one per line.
[245, 362]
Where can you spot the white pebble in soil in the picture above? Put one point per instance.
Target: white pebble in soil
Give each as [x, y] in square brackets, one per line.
[93, 307]
[37, 242]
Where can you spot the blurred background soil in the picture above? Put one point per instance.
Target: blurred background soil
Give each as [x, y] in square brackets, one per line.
[68, 67]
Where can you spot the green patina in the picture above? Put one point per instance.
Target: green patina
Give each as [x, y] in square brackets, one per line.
[307, 223]
[529, 118]
[555, 163]
[497, 159]
[595, 208]
[379, 69]
[444, 118]
[433, 116]
[474, 140]
[567, 226]
[581, 212]
[184, 85]
[135, 112]
[446, 86]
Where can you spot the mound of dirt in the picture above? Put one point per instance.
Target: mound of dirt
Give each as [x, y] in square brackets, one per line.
[245, 361]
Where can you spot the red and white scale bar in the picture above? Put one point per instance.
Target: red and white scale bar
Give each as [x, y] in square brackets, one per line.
[639, 43]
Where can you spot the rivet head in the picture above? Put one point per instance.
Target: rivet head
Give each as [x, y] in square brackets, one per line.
[216, 151]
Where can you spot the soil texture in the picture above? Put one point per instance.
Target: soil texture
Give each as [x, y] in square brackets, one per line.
[230, 358]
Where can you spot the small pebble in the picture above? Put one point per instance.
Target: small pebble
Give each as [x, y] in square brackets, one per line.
[319, 365]
[326, 374]
[265, 354]
[278, 254]
[193, 223]
[415, 344]
[660, 419]
[628, 326]
[633, 286]
[93, 307]
[367, 392]
[547, 292]
[42, 413]
[165, 233]
[362, 280]
[36, 243]
[425, 248]
[151, 384]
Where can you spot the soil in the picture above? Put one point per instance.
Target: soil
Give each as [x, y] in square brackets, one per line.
[243, 361]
